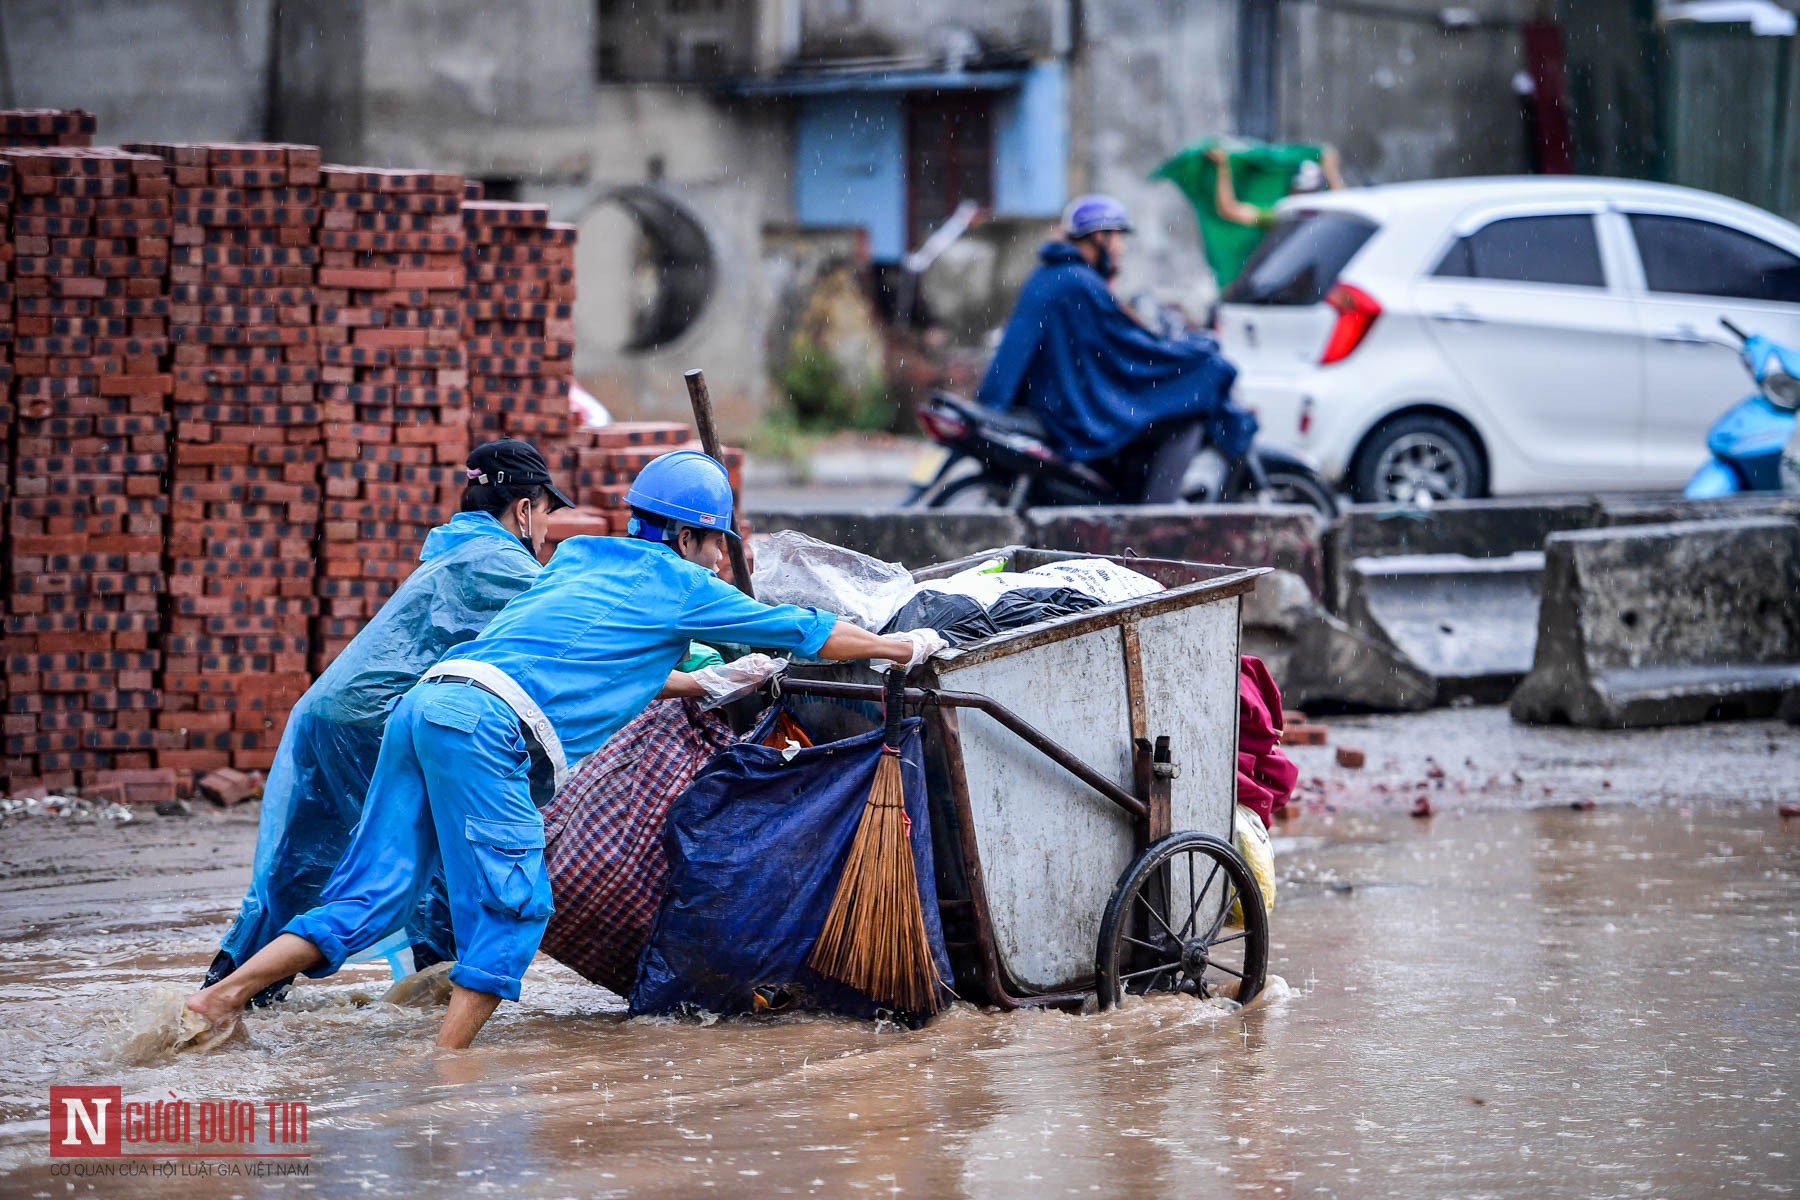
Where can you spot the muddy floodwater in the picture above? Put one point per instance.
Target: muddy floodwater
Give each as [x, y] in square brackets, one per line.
[1527, 1002]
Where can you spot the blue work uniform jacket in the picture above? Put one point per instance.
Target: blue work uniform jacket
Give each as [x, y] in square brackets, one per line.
[594, 639]
[1094, 376]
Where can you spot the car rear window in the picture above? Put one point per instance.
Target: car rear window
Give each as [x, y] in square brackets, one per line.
[1300, 259]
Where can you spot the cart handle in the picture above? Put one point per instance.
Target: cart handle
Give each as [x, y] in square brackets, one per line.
[1026, 732]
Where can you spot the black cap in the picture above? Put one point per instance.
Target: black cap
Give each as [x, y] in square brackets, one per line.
[511, 460]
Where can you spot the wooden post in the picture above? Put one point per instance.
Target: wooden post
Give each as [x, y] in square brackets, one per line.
[709, 441]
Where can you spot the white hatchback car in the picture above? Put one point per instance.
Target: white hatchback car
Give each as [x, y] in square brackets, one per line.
[1476, 337]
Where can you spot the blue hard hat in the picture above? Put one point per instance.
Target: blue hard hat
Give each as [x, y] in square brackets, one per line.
[687, 487]
[1092, 214]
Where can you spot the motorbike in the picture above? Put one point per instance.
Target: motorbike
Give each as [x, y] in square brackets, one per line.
[984, 458]
[1754, 446]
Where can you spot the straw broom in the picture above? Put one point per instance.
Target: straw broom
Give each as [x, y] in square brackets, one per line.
[874, 937]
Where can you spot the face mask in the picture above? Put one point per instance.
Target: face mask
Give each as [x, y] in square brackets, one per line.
[1104, 263]
[525, 532]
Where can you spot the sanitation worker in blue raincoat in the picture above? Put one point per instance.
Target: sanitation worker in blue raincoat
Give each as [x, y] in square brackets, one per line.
[1110, 392]
[469, 568]
[564, 666]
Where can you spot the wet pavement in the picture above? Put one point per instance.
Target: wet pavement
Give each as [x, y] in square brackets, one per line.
[1512, 998]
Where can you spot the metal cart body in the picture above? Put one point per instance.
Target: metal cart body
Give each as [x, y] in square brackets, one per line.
[1029, 846]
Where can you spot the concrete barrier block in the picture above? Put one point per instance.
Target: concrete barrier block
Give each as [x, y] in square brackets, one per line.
[1475, 528]
[1469, 623]
[911, 537]
[1320, 661]
[1285, 537]
[1663, 510]
[1666, 624]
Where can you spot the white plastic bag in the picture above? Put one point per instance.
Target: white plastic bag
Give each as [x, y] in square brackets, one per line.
[1105, 581]
[983, 584]
[1257, 850]
[792, 568]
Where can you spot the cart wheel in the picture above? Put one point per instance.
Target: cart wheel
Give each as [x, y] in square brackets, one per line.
[1168, 926]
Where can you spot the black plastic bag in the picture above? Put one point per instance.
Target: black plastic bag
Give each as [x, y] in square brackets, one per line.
[961, 619]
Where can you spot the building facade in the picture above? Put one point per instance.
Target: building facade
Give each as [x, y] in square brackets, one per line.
[722, 157]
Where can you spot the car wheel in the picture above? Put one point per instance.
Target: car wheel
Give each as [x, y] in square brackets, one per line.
[1418, 460]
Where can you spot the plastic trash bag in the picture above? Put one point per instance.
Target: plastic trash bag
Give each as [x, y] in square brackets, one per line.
[1107, 581]
[469, 568]
[1257, 850]
[792, 568]
[1029, 605]
[756, 847]
[962, 619]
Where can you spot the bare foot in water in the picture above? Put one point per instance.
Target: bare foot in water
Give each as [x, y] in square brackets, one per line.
[213, 1013]
[209, 1017]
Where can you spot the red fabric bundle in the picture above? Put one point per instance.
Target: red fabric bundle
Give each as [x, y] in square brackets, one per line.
[1265, 776]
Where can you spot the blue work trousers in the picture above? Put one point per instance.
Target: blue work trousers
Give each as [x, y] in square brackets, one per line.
[452, 788]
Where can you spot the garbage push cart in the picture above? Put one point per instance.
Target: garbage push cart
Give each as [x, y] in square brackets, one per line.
[1081, 774]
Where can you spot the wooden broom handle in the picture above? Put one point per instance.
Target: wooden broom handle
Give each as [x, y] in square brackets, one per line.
[709, 441]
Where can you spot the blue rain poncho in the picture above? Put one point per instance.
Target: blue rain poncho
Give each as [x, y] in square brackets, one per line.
[469, 568]
[1097, 378]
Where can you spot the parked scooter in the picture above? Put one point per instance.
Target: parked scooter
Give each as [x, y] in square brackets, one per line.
[1754, 446]
[1015, 468]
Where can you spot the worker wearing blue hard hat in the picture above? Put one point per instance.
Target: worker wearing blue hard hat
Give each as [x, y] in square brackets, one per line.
[567, 663]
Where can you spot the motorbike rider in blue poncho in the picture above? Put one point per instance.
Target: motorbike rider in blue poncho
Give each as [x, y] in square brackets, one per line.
[469, 568]
[1112, 393]
[567, 663]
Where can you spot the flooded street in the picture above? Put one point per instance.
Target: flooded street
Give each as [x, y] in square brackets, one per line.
[1497, 1001]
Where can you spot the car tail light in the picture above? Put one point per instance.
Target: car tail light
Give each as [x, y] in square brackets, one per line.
[1356, 313]
[942, 425]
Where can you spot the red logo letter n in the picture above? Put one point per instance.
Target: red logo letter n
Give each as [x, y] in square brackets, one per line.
[84, 1122]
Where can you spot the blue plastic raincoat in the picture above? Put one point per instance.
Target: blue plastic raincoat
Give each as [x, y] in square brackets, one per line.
[1094, 376]
[470, 567]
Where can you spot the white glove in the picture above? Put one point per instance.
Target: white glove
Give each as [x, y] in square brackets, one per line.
[925, 643]
[738, 677]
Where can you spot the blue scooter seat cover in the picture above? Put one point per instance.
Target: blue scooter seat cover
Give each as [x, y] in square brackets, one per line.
[756, 848]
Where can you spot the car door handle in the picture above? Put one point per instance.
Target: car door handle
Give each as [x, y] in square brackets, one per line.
[1460, 316]
[1682, 335]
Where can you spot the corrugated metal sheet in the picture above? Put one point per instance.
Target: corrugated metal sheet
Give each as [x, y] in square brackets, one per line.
[1731, 113]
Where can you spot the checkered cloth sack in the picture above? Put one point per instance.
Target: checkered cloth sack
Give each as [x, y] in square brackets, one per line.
[603, 836]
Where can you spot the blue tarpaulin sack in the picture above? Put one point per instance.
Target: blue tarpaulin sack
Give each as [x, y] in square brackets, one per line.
[756, 847]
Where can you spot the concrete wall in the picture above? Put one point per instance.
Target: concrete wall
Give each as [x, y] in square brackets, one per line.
[150, 70]
[1150, 77]
[493, 89]
[729, 167]
[930, 28]
[1405, 99]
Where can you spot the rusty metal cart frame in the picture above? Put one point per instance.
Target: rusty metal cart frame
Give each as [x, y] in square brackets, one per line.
[1166, 926]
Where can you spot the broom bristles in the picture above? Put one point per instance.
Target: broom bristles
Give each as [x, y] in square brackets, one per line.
[874, 937]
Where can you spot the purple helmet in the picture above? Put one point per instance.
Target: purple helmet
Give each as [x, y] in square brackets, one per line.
[1092, 214]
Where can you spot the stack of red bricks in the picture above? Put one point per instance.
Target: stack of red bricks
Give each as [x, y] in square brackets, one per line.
[24, 127]
[244, 487]
[89, 439]
[393, 384]
[6, 407]
[519, 322]
[598, 467]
